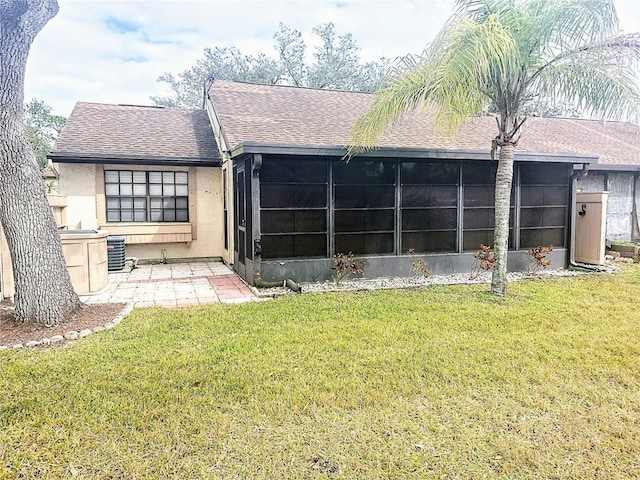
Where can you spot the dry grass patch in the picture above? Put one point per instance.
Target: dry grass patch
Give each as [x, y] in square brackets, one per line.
[443, 382]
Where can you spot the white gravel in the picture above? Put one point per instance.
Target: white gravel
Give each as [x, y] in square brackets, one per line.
[387, 283]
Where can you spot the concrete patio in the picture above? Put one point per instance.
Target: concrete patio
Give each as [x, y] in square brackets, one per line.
[174, 285]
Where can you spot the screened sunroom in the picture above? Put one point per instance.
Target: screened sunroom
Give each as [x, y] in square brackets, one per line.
[298, 211]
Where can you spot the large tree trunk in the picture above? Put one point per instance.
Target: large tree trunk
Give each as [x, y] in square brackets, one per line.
[44, 293]
[504, 178]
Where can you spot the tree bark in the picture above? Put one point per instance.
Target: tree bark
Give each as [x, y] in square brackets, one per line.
[44, 293]
[504, 179]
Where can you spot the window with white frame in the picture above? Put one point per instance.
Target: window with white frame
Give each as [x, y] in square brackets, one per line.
[139, 196]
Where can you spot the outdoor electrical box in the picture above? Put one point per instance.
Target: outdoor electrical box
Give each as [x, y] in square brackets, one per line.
[590, 227]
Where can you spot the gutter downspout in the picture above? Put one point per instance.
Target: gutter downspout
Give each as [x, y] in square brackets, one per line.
[288, 283]
[579, 175]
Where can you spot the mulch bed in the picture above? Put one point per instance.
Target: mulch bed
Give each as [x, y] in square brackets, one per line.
[90, 316]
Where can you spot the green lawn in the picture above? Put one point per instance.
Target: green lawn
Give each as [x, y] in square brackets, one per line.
[443, 382]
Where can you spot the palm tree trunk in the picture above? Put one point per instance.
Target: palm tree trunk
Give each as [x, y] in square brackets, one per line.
[44, 293]
[504, 178]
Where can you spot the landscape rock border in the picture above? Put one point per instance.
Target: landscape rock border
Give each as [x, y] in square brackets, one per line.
[72, 335]
[392, 283]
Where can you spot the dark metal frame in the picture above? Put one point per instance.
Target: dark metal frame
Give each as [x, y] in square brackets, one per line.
[255, 269]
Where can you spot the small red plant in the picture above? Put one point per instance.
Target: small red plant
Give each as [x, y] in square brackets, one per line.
[418, 265]
[345, 264]
[539, 260]
[483, 262]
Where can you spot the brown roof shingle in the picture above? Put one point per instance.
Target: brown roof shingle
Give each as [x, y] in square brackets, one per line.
[282, 115]
[163, 135]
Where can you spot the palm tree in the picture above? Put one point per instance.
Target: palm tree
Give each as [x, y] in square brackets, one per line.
[501, 54]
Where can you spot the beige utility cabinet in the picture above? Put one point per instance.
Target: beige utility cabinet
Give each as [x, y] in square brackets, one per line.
[86, 254]
[591, 222]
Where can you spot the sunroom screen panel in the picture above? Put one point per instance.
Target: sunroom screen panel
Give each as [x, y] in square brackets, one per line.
[293, 207]
[364, 206]
[429, 202]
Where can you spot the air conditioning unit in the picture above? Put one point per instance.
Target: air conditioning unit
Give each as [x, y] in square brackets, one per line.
[115, 252]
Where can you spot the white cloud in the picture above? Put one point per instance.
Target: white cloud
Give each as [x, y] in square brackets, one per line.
[113, 51]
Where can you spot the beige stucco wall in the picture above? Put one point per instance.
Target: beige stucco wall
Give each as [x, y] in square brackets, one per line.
[78, 182]
[84, 187]
[6, 272]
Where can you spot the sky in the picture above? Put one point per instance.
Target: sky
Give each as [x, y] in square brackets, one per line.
[110, 51]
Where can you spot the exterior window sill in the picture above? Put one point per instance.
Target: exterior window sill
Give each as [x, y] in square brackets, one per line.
[151, 232]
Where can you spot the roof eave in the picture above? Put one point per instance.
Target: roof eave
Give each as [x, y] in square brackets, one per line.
[402, 152]
[604, 167]
[95, 158]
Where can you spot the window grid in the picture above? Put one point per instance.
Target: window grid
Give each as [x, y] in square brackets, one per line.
[139, 196]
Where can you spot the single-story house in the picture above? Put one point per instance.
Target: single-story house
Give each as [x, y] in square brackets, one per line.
[151, 175]
[257, 178]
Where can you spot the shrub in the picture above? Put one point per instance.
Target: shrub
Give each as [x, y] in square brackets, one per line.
[418, 265]
[483, 261]
[346, 264]
[539, 260]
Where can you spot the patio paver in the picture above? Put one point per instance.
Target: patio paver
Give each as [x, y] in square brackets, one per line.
[175, 284]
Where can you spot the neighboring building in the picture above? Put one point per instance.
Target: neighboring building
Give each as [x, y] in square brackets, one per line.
[258, 180]
[617, 171]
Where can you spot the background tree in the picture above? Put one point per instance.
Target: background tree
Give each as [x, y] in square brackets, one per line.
[538, 108]
[43, 288]
[218, 62]
[337, 65]
[42, 128]
[291, 52]
[500, 53]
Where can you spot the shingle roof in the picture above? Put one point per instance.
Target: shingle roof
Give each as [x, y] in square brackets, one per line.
[136, 133]
[282, 115]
